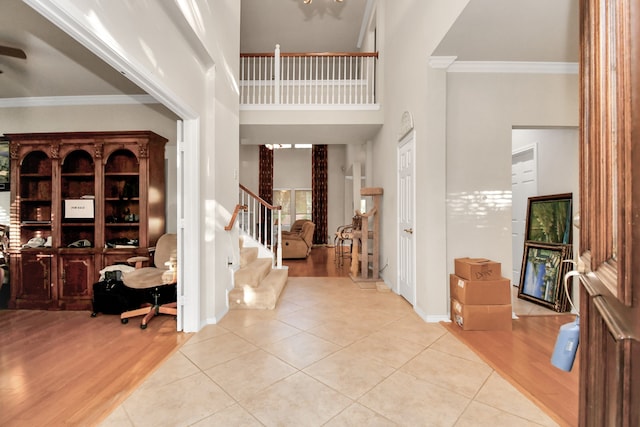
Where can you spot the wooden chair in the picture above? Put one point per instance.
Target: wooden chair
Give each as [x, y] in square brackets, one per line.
[344, 234]
[160, 280]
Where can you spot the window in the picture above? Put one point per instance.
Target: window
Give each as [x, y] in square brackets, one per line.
[299, 209]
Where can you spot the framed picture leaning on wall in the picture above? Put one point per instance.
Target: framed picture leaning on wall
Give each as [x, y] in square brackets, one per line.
[549, 219]
[543, 270]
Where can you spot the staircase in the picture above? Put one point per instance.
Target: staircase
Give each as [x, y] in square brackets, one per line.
[256, 285]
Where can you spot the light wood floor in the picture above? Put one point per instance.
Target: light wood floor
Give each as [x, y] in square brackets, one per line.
[66, 368]
[523, 357]
[321, 263]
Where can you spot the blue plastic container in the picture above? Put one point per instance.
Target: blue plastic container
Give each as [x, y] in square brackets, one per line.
[564, 353]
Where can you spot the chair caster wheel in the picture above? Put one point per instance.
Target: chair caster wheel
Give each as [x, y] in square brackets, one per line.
[94, 314]
[124, 321]
[143, 326]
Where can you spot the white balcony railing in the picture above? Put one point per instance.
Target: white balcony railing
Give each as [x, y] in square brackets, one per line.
[307, 78]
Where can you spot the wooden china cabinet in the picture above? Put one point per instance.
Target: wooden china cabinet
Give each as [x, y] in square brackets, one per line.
[80, 201]
[610, 213]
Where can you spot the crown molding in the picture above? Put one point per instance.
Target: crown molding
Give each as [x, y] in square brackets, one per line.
[60, 101]
[513, 67]
[441, 62]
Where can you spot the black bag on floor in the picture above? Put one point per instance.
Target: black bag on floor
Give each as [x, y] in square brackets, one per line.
[111, 296]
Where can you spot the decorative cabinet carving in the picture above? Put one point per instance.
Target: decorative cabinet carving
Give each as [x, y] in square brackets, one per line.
[80, 201]
[37, 288]
[77, 274]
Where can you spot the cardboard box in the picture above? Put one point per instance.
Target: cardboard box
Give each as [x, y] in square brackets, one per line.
[480, 292]
[477, 269]
[481, 317]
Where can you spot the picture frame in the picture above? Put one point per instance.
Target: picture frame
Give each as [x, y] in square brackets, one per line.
[549, 219]
[543, 270]
[5, 165]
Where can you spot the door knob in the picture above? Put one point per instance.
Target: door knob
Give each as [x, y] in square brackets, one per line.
[408, 230]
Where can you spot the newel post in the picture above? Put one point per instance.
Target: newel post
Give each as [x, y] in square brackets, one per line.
[276, 77]
[279, 248]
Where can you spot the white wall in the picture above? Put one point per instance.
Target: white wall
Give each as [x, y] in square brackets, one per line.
[249, 167]
[463, 126]
[191, 64]
[355, 178]
[408, 32]
[292, 168]
[482, 109]
[219, 31]
[558, 162]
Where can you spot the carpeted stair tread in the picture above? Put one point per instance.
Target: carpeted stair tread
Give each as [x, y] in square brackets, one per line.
[252, 273]
[248, 255]
[265, 296]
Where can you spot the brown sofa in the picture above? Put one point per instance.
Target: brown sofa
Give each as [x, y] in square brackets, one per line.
[297, 242]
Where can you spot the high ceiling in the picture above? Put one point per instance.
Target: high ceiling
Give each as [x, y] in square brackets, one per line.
[56, 64]
[515, 30]
[505, 30]
[321, 26]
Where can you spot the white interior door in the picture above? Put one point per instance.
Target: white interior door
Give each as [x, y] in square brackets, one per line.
[406, 214]
[524, 184]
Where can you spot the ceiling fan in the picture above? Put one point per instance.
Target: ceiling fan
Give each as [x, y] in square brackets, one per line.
[13, 52]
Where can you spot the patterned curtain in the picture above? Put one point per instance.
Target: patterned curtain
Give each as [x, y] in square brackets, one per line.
[265, 175]
[319, 179]
[265, 188]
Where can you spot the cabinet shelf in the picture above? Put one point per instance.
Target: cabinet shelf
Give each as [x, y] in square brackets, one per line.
[34, 223]
[34, 200]
[35, 176]
[121, 174]
[77, 175]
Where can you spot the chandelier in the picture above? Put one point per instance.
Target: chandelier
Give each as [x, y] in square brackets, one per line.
[311, 1]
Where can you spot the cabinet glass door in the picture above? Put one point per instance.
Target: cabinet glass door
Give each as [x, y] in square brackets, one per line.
[122, 200]
[77, 188]
[34, 201]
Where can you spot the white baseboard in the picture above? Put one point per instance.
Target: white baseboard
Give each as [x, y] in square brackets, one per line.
[429, 318]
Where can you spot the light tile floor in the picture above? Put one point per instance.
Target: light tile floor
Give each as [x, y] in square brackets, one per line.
[330, 354]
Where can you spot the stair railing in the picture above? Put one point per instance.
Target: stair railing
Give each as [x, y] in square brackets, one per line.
[232, 221]
[261, 221]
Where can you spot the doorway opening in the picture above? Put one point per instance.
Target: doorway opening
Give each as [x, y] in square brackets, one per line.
[544, 161]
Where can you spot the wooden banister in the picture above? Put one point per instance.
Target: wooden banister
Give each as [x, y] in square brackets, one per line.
[312, 54]
[234, 216]
[261, 201]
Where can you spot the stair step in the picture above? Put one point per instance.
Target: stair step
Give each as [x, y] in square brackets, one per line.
[265, 296]
[248, 255]
[252, 273]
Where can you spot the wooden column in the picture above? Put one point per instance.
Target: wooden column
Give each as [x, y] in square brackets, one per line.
[365, 235]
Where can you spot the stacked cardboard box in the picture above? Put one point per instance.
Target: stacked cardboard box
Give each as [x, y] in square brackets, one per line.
[480, 296]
